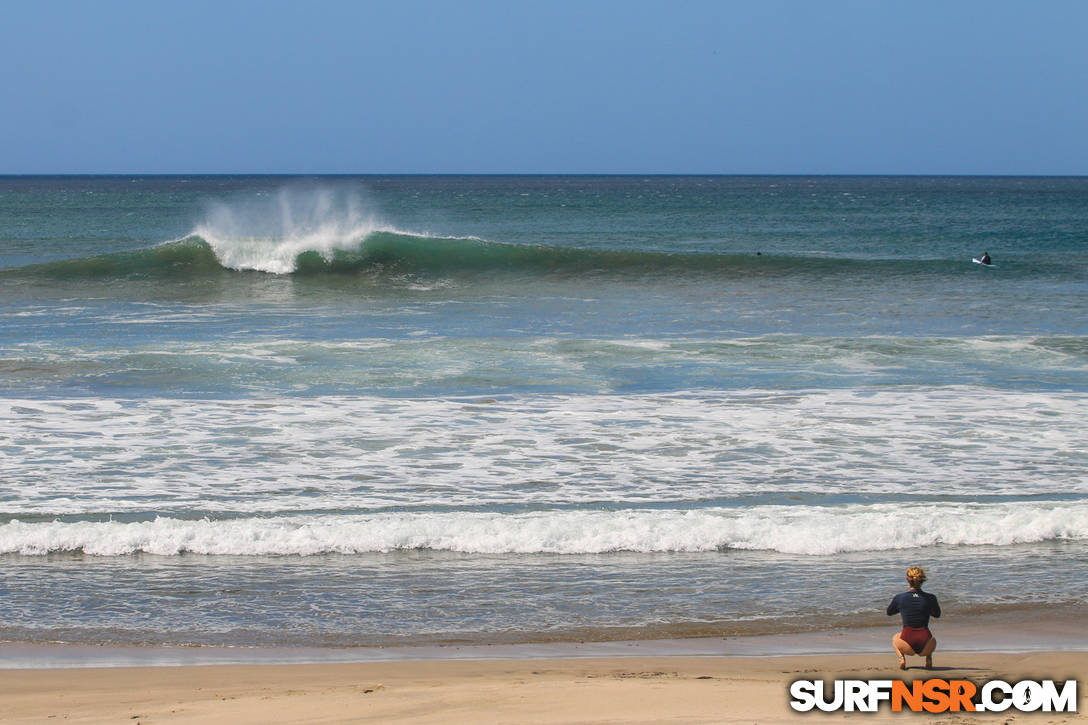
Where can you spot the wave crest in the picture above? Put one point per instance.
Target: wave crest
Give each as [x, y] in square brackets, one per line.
[798, 530]
[332, 230]
[269, 233]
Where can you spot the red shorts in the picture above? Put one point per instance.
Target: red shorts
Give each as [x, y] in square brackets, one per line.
[916, 637]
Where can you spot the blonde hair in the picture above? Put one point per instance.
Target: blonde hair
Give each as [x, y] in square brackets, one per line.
[915, 576]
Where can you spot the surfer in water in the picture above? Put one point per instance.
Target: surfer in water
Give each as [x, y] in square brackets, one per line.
[915, 607]
[985, 259]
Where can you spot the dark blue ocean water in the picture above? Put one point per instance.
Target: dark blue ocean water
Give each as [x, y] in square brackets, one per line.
[261, 410]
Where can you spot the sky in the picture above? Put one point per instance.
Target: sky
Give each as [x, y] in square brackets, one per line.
[683, 86]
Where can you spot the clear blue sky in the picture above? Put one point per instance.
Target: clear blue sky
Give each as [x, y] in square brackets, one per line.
[395, 86]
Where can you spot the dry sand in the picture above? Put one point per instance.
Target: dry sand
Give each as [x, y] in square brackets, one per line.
[615, 690]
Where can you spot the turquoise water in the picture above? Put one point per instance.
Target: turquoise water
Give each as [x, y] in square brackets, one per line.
[269, 410]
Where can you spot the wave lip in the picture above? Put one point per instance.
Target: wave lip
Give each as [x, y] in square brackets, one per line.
[798, 530]
[268, 234]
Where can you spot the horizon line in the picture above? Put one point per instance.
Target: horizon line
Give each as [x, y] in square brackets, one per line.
[119, 174]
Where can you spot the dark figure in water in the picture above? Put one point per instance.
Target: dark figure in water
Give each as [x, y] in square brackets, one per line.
[985, 258]
[915, 607]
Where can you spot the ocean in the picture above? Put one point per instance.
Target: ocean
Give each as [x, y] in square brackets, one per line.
[337, 411]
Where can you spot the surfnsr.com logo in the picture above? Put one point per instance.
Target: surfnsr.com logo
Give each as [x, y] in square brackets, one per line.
[934, 695]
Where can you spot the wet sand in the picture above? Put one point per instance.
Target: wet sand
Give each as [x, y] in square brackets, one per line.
[1020, 632]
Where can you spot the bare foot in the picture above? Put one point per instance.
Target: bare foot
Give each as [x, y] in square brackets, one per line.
[903, 662]
[929, 662]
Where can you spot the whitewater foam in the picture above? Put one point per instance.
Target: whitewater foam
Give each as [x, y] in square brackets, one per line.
[802, 530]
[351, 453]
[268, 233]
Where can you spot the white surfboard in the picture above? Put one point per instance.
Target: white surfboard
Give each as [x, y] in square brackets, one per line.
[979, 261]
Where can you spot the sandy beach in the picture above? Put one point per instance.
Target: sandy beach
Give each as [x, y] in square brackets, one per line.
[605, 690]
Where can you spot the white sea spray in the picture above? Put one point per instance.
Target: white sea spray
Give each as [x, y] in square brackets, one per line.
[267, 233]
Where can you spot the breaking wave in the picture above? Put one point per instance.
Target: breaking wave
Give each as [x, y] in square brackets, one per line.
[798, 530]
[270, 233]
[316, 231]
[386, 251]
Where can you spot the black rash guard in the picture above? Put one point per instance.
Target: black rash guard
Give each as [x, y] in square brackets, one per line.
[916, 607]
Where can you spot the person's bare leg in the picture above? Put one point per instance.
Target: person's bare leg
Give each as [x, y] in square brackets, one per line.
[927, 652]
[902, 649]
